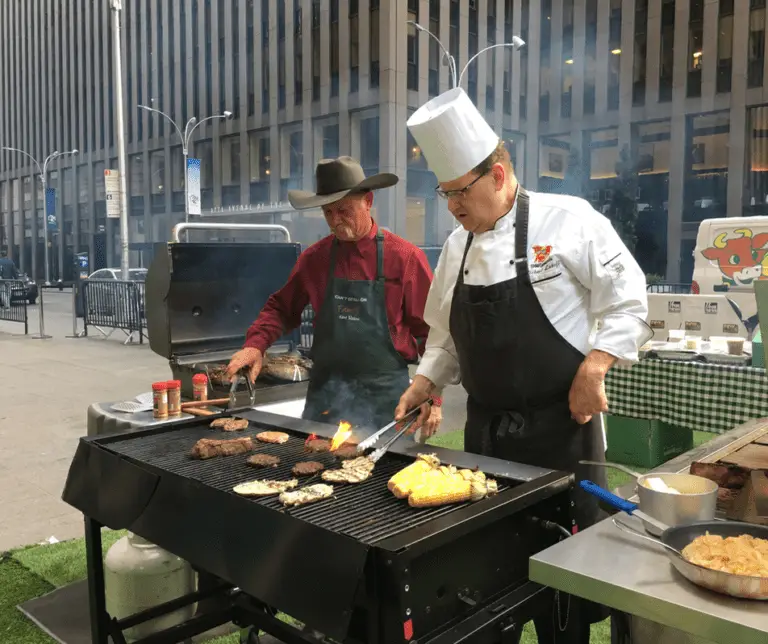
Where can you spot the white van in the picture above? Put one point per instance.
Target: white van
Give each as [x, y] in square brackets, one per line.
[730, 255]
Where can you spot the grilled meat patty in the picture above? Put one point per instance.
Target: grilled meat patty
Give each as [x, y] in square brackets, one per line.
[263, 460]
[346, 451]
[317, 445]
[308, 494]
[277, 438]
[307, 468]
[230, 424]
[264, 488]
[211, 447]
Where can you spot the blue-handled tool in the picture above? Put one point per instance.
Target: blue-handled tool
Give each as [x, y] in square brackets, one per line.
[620, 504]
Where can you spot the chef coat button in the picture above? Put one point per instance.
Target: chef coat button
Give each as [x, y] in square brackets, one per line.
[511, 261]
[466, 271]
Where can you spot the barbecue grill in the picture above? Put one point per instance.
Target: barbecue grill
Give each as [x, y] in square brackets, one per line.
[202, 297]
[362, 566]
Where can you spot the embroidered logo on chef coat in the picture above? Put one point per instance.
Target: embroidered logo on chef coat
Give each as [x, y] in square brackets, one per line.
[541, 254]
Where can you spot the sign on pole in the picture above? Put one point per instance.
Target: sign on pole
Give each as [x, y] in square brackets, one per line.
[193, 187]
[50, 210]
[112, 193]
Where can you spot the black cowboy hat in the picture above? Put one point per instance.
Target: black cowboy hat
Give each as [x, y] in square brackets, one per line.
[335, 179]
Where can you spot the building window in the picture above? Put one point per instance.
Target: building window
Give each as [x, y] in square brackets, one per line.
[204, 152]
[545, 35]
[334, 45]
[566, 97]
[490, 73]
[472, 45]
[265, 57]
[249, 58]
[641, 52]
[298, 54]
[281, 63]
[296, 154]
[157, 172]
[374, 43]
[725, 47]
[330, 141]
[756, 193]
[454, 18]
[614, 59]
[177, 169]
[235, 40]
[506, 91]
[230, 161]
[260, 166]
[354, 47]
[666, 50]
[706, 166]
[590, 51]
[435, 53]
[412, 73]
[315, 50]
[756, 48]
[553, 161]
[369, 144]
[136, 175]
[695, 48]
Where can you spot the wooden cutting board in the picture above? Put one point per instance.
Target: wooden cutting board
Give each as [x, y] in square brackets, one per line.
[763, 440]
[751, 457]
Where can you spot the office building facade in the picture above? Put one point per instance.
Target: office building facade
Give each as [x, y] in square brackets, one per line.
[678, 84]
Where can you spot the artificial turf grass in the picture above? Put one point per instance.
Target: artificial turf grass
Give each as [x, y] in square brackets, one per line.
[30, 572]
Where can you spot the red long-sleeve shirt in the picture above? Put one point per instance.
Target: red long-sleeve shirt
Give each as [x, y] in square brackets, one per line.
[407, 279]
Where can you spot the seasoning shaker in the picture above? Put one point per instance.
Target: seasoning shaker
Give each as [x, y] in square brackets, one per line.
[160, 400]
[174, 398]
[199, 387]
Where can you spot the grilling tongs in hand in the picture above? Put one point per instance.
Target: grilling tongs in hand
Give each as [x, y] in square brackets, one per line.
[241, 375]
[376, 454]
[373, 438]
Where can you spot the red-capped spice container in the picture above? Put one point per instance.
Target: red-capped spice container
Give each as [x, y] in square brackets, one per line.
[199, 387]
[160, 399]
[174, 398]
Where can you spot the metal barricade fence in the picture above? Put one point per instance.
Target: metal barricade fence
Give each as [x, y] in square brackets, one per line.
[114, 304]
[13, 303]
[670, 288]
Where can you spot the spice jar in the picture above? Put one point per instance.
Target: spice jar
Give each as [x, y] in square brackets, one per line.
[160, 399]
[199, 387]
[174, 398]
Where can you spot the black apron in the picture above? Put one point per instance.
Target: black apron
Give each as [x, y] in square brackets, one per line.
[518, 370]
[357, 374]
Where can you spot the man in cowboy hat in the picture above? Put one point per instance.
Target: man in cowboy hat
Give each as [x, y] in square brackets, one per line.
[516, 295]
[367, 288]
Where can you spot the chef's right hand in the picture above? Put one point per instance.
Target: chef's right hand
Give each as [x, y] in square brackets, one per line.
[248, 357]
[416, 395]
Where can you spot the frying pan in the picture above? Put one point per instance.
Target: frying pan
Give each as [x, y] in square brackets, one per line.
[673, 540]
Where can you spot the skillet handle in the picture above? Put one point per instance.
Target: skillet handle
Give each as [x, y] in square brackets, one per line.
[636, 533]
[604, 495]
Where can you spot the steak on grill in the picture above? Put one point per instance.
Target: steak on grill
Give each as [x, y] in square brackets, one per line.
[346, 451]
[263, 460]
[305, 495]
[230, 424]
[277, 438]
[211, 447]
[307, 468]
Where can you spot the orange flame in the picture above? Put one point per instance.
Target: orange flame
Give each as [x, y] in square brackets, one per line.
[342, 434]
[311, 437]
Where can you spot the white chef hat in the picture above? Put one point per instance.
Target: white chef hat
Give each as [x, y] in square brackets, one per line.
[452, 134]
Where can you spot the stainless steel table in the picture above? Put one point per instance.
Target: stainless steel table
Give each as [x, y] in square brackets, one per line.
[612, 568]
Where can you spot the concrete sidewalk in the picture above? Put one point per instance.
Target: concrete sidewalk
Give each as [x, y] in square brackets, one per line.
[47, 386]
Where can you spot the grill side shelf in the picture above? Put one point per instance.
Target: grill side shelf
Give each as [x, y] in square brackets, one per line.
[108, 487]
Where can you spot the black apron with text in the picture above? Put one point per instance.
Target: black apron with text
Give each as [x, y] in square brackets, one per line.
[518, 370]
[357, 374]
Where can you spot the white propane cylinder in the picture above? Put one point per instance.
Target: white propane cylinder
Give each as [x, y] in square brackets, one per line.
[139, 575]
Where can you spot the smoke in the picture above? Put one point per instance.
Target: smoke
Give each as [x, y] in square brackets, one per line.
[356, 403]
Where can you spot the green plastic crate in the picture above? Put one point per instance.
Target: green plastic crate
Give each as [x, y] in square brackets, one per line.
[644, 443]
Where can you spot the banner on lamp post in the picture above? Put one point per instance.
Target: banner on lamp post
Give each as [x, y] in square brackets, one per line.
[50, 210]
[112, 193]
[193, 187]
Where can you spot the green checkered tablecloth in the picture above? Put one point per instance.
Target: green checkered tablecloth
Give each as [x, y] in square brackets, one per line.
[708, 397]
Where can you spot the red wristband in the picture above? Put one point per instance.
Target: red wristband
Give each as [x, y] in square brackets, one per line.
[437, 401]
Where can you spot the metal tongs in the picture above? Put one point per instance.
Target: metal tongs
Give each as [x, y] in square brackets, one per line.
[375, 455]
[373, 439]
[241, 375]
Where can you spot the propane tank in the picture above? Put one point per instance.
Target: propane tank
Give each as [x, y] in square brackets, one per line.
[139, 575]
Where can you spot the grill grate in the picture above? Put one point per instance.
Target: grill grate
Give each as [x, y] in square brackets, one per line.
[366, 511]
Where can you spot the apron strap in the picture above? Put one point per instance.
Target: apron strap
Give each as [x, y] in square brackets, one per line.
[460, 277]
[521, 233]
[332, 263]
[379, 255]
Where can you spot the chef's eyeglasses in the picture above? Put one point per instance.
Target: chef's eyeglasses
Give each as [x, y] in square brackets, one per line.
[460, 192]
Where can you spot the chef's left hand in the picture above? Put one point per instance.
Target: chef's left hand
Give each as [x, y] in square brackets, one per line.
[587, 396]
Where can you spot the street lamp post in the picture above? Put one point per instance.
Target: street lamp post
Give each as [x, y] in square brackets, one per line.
[517, 42]
[43, 173]
[186, 137]
[447, 58]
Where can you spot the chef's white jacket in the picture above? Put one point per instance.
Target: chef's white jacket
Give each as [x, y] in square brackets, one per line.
[580, 269]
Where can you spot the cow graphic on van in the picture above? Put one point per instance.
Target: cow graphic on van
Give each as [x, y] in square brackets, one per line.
[741, 257]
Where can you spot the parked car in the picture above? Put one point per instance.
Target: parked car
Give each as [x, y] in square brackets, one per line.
[104, 299]
[28, 292]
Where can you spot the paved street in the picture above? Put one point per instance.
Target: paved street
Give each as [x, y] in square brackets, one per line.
[47, 387]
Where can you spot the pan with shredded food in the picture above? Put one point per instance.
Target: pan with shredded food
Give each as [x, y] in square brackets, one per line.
[742, 555]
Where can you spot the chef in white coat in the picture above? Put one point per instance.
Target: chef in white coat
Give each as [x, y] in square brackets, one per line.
[518, 289]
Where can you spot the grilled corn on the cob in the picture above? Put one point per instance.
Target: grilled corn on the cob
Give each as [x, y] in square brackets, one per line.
[402, 482]
[443, 485]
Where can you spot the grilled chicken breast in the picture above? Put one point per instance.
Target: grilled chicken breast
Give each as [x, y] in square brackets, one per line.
[305, 495]
[264, 488]
[277, 438]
